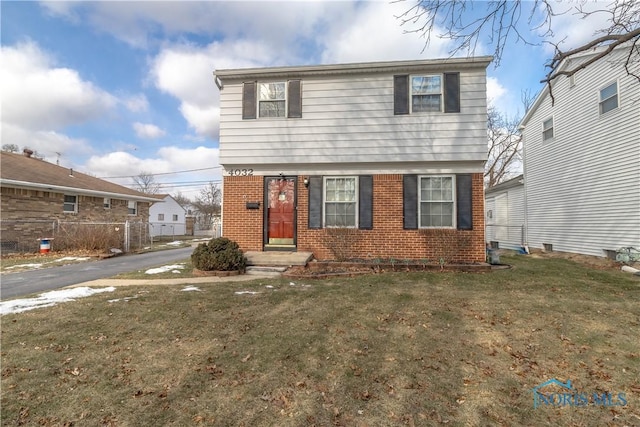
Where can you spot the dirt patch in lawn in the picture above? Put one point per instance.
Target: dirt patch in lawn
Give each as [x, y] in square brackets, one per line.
[599, 263]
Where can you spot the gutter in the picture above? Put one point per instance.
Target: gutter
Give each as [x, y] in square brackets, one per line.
[63, 189]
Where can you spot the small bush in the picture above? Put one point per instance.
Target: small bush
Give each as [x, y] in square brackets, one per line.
[219, 254]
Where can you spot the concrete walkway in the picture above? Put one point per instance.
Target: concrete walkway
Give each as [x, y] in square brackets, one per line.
[177, 281]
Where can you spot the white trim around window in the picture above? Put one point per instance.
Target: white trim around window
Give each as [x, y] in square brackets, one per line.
[547, 130]
[106, 203]
[608, 98]
[132, 207]
[70, 204]
[426, 93]
[437, 201]
[340, 201]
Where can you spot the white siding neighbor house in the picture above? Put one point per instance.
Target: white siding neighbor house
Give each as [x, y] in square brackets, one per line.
[167, 218]
[504, 214]
[582, 160]
[371, 160]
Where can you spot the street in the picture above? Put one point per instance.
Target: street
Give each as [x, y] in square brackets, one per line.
[29, 282]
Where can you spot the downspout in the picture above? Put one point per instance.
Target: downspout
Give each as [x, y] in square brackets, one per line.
[524, 177]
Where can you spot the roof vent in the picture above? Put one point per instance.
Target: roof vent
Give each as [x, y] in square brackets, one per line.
[27, 152]
[71, 172]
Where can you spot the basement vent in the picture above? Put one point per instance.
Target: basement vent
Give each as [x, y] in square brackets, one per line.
[548, 247]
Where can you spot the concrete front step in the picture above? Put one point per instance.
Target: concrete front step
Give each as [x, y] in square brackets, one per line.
[257, 270]
[277, 258]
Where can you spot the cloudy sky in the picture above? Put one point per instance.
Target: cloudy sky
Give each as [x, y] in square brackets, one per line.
[116, 88]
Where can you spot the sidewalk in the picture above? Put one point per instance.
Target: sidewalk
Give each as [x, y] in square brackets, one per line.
[177, 281]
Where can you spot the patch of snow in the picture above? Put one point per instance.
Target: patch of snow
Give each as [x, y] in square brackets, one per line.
[49, 299]
[191, 289]
[123, 299]
[25, 266]
[176, 271]
[72, 258]
[269, 287]
[164, 269]
[246, 292]
[291, 284]
[174, 243]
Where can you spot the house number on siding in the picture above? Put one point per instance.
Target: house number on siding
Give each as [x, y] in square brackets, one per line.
[240, 172]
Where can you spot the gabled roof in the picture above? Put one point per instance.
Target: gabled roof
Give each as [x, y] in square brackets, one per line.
[513, 182]
[408, 66]
[20, 171]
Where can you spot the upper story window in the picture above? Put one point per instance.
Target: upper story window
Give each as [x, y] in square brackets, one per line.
[106, 203]
[341, 202]
[70, 204]
[272, 99]
[609, 98]
[547, 129]
[436, 197]
[426, 93]
[132, 207]
[160, 217]
[175, 217]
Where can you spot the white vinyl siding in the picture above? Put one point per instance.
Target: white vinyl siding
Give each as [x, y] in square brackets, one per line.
[582, 191]
[507, 222]
[341, 202]
[351, 119]
[70, 204]
[161, 212]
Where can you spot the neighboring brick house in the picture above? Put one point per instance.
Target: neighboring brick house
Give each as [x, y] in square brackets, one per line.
[35, 194]
[369, 160]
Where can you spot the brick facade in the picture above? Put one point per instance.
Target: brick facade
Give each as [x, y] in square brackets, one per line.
[387, 239]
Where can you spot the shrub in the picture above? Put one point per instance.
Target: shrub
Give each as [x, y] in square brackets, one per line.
[219, 254]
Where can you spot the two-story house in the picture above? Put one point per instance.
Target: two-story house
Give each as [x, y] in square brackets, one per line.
[367, 160]
[582, 159]
[167, 217]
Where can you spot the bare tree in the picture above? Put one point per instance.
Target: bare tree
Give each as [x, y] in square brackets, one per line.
[146, 183]
[11, 148]
[182, 199]
[505, 157]
[207, 203]
[507, 20]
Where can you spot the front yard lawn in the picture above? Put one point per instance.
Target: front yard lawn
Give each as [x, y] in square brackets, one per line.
[459, 349]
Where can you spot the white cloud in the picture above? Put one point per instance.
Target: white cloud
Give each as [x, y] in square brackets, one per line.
[136, 103]
[38, 95]
[371, 32]
[148, 131]
[495, 91]
[46, 143]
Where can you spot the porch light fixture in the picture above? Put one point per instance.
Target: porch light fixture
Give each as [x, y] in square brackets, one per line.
[306, 181]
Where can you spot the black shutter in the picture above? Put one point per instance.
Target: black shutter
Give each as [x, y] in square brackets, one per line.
[315, 202]
[249, 100]
[410, 201]
[464, 202]
[294, 104]
[451, 92]
[365, 205]
[400, 95]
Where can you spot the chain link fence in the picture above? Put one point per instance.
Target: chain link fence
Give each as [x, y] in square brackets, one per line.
[27, 235]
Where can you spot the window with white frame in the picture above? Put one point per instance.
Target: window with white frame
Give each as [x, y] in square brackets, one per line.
[341, 201]
[547, 129]
[70, 204]
[132, 207]
[609, 98]
[160, 217]
[436, 201]
[426, 93]
[272, 99]
[175, 217]
[106, 203]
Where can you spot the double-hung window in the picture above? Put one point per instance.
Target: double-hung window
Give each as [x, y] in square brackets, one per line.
[106, 203]
[132, 207]
[341, 202]
[547, 129]
[436, 201]
[271, 99]
[160, 217]
[609, 98]
[175, 217]
[70, 204]
[426, 93]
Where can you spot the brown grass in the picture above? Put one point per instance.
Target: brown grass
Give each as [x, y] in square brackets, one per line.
[392, 349]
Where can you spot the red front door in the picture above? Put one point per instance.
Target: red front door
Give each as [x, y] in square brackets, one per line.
[281, 211]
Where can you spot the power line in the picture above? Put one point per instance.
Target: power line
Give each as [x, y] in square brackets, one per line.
[162, 173]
